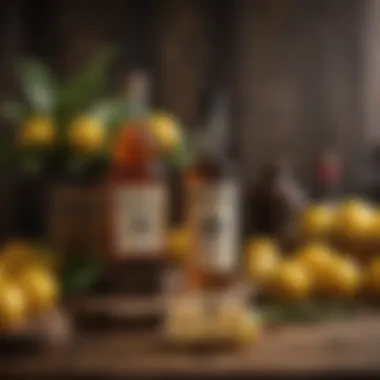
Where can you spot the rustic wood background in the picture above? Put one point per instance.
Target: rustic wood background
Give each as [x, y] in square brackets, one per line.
[303, 74]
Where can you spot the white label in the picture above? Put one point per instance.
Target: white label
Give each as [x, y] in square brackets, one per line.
[139, 219]
[214, 225]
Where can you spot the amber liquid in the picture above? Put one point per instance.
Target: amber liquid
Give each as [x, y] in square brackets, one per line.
[209, 171]
[134, 255]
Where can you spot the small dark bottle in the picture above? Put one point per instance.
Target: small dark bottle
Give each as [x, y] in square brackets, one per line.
[137, 197]
[212, 209]
[278, 199]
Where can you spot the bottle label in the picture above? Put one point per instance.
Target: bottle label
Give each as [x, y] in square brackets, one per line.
[139, 223]
[214, 225]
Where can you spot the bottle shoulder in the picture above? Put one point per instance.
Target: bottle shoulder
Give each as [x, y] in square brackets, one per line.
[154, 171]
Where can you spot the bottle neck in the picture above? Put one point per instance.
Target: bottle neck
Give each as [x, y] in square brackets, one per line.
[138, 95]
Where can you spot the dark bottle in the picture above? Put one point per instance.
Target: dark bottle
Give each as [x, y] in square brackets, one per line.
[137, 193]
[212, 208]
[278, 200]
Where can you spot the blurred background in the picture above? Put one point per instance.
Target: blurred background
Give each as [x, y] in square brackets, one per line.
[303, 79]
[302, 75]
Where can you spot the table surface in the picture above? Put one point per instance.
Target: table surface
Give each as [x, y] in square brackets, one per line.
[350, 345]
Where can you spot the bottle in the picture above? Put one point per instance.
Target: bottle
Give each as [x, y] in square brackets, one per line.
[137, 193]
[212, 208]
[279, 199]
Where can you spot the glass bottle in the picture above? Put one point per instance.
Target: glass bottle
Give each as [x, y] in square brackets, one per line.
[279, 199]
[212, 208]
[137, 191]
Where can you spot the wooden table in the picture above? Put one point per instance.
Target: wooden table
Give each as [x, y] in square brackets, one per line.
[335, 347]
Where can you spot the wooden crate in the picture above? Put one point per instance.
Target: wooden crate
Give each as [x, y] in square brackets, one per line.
[76, 218]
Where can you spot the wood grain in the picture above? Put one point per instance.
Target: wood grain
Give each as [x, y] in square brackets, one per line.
[334, 347]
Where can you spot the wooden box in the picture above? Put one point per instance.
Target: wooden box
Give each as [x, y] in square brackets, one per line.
[77, 218]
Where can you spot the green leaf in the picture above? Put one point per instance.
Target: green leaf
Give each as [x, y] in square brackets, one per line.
[14, 112]
[80, 274]
[32, 163]
[182, 154]
[38, 86]
[108, 111]
[308, 312]
[77, 165]
[79, 93]
[6, 151]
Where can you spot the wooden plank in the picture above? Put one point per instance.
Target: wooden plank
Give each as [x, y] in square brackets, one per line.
[333, 347]
[297, 81]
[11, 49]
[81, 29]
[182, 57]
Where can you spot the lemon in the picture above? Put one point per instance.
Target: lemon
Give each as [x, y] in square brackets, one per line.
[343, 279]
[262, 257]
[18, 255]
[165, 130]
[186, 322]
[371, 277]
[86, 135]
[248, 329]
[354, 220]
[316, 220]
[375, 230]
[12, 306]
[37, 131]
[316, 258]
[291, 281]
[40, 288]
[178, 243]
[227, 317]
[3, 270]
[236, 322]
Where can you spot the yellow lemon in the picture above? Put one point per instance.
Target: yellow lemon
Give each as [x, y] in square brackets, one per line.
[18, 255]
[354, 220]
[165, 129]
[186, 321]
[248, 329]
[371, 277]
[4, 275]
[262, 257]
[291, 281]
[12, 306]
[316, 258]
[227, 316]
[316, 220]
[37, 131]
[86, 135]
[236, 322]
[343, 279]
[40, 288]
[375, 230]
[178, 243]
[258, 243]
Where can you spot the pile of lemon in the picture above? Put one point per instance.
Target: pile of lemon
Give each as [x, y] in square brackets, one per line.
[337, 257]
[28, 285]
[190, 320]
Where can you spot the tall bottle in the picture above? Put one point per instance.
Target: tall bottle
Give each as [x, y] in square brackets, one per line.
[137, 191]
[212, 207]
